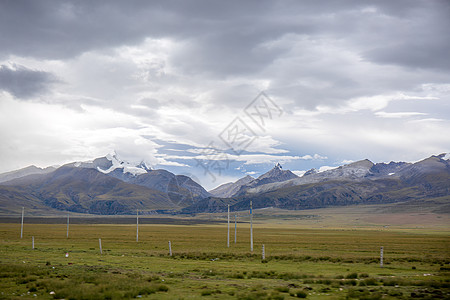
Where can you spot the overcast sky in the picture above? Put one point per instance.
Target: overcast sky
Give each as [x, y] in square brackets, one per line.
[178, 83]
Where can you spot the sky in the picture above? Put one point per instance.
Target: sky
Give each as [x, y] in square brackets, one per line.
[222, 89]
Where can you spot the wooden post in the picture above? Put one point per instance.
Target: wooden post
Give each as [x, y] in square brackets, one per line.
[251, 226]
[381, 257]
[21, 224]
[67, 234]
[263, 252]
[137, 225]
[170, 248]
[235, 229]
[32, 242]
[100, 244]
[228, 232]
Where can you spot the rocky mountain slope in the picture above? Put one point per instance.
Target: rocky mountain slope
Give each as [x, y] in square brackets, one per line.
[230, 189]
[276, 176]
[179, 188]
[108, 185]
[31, 170]
[87, 190]
[358, 183]
[105, 185]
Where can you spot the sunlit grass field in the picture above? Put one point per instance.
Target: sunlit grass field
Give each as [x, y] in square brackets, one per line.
[300, 262]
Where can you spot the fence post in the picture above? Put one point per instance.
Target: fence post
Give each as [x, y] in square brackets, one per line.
[100, 244]
[137, 225]
[21, 224]
[228, 227]
[381, 256]
[263, 252]
[67, 234]
[235, 229]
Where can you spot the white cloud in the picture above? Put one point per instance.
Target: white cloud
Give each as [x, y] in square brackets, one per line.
[326, 168]
[65, 135]
[347, 161]
[384, 114]
[299, 173]
[310, 157]
[347, 86]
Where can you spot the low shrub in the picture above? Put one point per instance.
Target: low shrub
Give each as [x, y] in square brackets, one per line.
[256, 295]
[32, 289]
[162, 288]
[350, 282]
[282, 289]
[368, 281]
[298, 294]
[236, 276]
[352, 276]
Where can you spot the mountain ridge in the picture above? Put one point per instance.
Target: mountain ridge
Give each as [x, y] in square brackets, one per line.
[107, 185]
[87, 190]
[275, 175]
[179, 188]
[30, 170]
[229, 189]
[350, 184]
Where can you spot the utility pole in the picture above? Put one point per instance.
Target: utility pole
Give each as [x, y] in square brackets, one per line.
[235, 229]
[251, 226]
[67, 234]
[137, 225]
[228, 227]
[21, 224]
[381, 257]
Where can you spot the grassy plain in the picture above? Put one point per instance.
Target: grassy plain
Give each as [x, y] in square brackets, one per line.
[305, 257]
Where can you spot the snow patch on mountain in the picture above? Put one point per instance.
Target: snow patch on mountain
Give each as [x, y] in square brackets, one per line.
[277, 174]
[299, 173]
[112, 162]
[325, 168]
[127, 167]
[353, 171]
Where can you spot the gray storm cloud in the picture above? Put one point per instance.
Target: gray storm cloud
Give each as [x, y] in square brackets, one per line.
[355, 78]
[24, 83]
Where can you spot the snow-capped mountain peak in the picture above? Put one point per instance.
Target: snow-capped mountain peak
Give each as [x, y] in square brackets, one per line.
[117, 163]
[143, 165]
[113, 163]
[310, 172]
[445, 156]
[277, 174]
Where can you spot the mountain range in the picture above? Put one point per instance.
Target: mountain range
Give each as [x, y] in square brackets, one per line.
[105, 185]
[24, 172]
[110, 186]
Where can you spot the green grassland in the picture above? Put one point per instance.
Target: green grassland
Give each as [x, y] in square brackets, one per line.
[321, 262]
